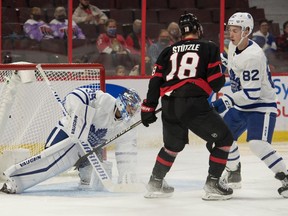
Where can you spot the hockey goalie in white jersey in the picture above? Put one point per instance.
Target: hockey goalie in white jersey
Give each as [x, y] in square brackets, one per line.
[93, 116]
[253, 104]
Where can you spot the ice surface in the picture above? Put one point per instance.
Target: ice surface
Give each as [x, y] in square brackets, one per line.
[61, 196]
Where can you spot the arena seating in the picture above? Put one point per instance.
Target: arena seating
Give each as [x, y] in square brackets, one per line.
[159, 14]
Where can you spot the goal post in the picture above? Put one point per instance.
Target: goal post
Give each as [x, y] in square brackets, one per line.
[28, 109]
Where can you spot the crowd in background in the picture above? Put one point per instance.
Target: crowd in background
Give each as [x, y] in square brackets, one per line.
[116, 50]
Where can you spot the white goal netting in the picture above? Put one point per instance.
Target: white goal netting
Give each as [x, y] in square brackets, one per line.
[28, 108]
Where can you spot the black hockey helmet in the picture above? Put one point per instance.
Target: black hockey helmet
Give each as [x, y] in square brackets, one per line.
[189, 23]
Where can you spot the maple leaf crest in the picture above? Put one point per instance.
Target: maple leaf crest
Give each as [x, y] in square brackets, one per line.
[96, 137]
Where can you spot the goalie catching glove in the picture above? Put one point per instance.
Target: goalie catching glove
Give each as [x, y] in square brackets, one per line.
[148, 115]
[223, 103]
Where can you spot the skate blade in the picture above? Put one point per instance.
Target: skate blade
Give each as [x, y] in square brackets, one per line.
[284, 194]
[215, 197]
[153, 195]
[5, 189]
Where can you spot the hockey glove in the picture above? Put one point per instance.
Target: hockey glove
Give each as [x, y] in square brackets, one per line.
[223, 103]
[148, 115]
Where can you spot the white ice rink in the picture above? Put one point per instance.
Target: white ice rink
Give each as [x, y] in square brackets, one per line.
[60, 195]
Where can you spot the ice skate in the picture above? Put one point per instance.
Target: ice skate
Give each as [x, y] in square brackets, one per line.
[216, 189]
[233, 178]
[283, 191]
[158, 188]
[7, 188]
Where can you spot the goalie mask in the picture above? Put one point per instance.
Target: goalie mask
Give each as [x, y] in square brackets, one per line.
[189, 23]
[128, 103]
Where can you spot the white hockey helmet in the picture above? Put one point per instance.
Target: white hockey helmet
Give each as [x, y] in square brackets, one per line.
[128, 103]
[242, 19]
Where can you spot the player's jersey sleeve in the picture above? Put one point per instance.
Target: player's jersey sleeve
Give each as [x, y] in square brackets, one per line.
[157, 79]
[215, 77]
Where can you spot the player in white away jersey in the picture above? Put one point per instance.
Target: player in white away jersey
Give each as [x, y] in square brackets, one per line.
[94, 116]
[253, 104]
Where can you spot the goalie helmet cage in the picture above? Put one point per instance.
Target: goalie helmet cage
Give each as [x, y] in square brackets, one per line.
[28, 108]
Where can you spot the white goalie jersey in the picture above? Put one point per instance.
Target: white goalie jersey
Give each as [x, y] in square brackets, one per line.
[92, 107]
[250, 77]
[103, 126]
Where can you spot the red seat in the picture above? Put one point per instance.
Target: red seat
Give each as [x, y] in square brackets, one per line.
[15, 29]
[237, 3]
[27, 44]
[127, 4]
[10, 15]
[103, 4]
[7, 44]
[62, 3]
[157, 4]
[41, 4]
[169, 15]
[151, 15]
[181, 4]
[90, 31]
[55, 46]
[122, 16]
[15, 3]
[24, 14]
[207, 4]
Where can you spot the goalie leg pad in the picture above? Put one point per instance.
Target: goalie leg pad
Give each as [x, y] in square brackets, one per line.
[88, 178]
[126, 157]
[36, 169]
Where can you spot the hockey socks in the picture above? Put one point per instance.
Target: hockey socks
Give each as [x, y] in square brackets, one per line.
[157, 186]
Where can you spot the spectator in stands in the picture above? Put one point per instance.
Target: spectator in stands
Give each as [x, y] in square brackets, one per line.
[120, 70]
[174, 32]
[110, 42]
[35, 28]
[113, 44]
[133, 40]
[59, 25]
[88, 14]
[156, 48]
[282, 40]
[265, 39]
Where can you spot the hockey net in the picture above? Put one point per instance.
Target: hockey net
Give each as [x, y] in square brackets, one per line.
[28, 108]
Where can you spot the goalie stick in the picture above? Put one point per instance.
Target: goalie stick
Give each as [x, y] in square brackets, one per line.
[93, 158]
[107, 142]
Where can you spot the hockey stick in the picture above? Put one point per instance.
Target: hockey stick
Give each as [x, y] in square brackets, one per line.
[86, 147]
[107, 142]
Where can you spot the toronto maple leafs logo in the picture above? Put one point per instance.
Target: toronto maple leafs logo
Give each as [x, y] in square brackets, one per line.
[234, 81]
[96, 137]
[91, 93]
